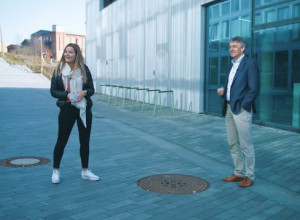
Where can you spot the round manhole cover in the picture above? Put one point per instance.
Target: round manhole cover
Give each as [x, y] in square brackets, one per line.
[173, 184]
[24, 161]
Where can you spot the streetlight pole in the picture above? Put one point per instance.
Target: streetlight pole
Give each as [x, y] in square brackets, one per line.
[1, 42]
[41, 39]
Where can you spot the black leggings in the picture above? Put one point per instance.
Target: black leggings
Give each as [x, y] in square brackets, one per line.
[67, 116]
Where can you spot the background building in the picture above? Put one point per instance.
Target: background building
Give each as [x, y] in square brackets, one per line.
[183, 45]
[13, 48]
[52, 43]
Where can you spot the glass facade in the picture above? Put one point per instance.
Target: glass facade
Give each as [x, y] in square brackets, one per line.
[225, 20]
[272, 31]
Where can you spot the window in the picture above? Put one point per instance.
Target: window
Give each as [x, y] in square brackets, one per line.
[282, 34]
[267, 65]
[225, 29]
[235, 5]
[258, 18]
[213, 79]
[214, 37]
[281, 69]
[47, 40]
[223, 68]
[296, 10]
[296, 66]
[270, 16]
[245, 26]
[215, 12]
[226, 8]
[225, 36]
[296, 32]
[259, 3]
[105, 3]
[245, 4]
[234, 27]
[283, 13]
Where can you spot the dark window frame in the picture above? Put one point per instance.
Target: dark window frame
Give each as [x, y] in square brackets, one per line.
[104, 3]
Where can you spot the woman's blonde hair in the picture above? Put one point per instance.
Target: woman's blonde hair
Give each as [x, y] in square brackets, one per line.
[78, 63]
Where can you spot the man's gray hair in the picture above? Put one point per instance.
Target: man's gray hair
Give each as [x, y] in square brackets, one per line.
[240, 40]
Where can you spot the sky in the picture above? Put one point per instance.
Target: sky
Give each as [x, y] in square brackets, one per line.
[21, 18]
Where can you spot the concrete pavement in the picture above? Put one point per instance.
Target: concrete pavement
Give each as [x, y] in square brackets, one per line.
[127, 145]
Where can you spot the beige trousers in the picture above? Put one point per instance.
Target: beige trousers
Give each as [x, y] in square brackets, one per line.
[240, 142]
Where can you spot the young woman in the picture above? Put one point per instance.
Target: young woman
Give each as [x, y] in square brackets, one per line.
[72, 85]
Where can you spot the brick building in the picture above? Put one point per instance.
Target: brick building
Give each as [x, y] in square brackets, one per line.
[51, 43]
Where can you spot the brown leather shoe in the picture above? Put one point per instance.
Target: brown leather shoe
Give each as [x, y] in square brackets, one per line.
[233, 178]
[246, 182]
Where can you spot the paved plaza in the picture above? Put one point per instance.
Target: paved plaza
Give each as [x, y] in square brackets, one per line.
[127, 145]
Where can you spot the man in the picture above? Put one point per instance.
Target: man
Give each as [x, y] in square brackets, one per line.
[240, 92]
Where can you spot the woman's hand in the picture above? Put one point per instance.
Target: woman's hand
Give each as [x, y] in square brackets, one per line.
[78, 97]
[69, 97]
[81, 94]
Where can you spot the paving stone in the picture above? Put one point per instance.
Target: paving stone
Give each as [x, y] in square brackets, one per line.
[127, 145]
[274, 210]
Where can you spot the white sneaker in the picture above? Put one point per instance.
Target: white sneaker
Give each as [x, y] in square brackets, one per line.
[88, 175]
[55, 176]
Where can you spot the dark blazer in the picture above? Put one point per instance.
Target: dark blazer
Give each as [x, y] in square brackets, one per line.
[245, 86]
[57, 89]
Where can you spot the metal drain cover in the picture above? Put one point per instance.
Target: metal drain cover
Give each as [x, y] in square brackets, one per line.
[173, 184]
[24, 161]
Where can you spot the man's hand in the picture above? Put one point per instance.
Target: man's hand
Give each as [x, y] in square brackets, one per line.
[220, 91]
